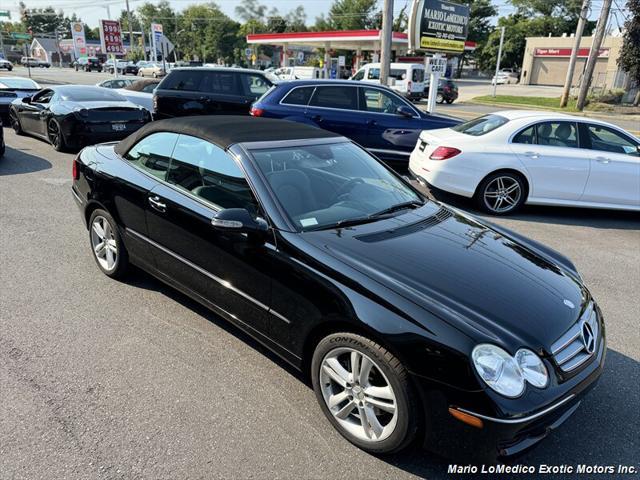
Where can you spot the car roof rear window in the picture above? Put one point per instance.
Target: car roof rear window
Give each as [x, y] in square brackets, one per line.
[481, 125]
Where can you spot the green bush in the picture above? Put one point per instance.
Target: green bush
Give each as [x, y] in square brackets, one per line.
[612, 97]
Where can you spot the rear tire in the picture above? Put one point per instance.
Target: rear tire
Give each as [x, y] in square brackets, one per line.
[501, 193]
[55, 136]
[15, 122]
[380, 392]
[106, 244]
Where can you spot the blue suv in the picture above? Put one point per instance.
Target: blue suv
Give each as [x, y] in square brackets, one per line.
[374, 116]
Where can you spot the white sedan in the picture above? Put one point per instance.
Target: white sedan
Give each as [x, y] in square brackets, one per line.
[509, 158]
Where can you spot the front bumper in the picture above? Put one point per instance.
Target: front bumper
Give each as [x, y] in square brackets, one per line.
[501, 436]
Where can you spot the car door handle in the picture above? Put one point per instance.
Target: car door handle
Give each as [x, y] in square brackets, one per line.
[603, 160]
[157, 204]
[532, 154]
[316, 118]
[371, 123]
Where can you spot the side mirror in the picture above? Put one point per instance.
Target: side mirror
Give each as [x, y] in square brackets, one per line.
[26, 99]
[405, 111]
[238, 220]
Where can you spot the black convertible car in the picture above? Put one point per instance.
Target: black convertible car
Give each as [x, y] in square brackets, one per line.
[413, 320]
[72, 116]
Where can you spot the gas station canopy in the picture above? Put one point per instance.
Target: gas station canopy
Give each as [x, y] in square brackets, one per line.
[338, 40]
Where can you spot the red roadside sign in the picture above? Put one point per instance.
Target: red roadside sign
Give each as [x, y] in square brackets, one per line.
[566, 52]
[111, 37]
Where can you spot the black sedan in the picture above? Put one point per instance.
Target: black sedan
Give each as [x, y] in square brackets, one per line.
[413, 320]
[72, 116]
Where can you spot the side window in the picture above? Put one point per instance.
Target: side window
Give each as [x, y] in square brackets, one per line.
[359, 75]
[207, 171]
[374, 74]
[342, 97]
[527, 136]
[107, 84]
[398, 74]
[224, 83]
[255, 85]
[153, 153]
[182, 80]
[149, 88]
[378, 101]
[298, 96]
[418, 75]
[608, 140]
[558, 134]
[44, 97]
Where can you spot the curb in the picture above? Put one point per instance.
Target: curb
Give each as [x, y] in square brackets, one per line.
[604, 116]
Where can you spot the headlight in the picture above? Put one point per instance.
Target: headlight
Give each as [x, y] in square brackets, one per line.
[498, 369]
[532, 368]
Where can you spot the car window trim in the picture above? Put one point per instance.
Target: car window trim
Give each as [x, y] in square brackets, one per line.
[357, 85]
[535, 130]
[282, 101]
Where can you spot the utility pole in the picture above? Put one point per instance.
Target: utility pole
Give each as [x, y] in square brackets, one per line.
[130, 27]
[593, 54]
[495, 78]
[574, 53]
[385, 47]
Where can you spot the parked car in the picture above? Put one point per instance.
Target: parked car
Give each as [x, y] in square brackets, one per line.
[398, 308]
[297, 73]
[72, 116]
[12, 88]
[506, 75]
[6, 64]
[152, 69]
[34, 62]
[513, 157]
[374, 116]
[116, 82]
[447, 91]
[407, 78]
[122, 66]
[140, 92]
[88, 64]
[206, 91]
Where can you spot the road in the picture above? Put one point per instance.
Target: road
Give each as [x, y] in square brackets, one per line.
[131, 380]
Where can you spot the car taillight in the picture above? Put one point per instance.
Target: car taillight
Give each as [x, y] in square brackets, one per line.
[256, 112]
[443, 153]
[75, 170]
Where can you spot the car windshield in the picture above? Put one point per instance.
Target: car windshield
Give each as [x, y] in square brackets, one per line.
[19, 83]
[92, 95]
[332, 185]
[481, 125]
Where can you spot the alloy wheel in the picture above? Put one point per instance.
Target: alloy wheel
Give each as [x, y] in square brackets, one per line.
[53, 132]
[15, 123]
[358, 394]
[104, 243]
[502, 194]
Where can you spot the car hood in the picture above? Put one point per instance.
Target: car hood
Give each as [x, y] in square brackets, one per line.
[485, 283]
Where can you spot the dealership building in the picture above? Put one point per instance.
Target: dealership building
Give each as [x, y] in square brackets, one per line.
[546, 60]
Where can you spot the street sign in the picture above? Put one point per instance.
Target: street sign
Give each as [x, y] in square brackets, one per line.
[248, 52]
[436, 65]
[79, 41]
[157, 33]
[111, 37]
[5, 13]
[20, 36]
[342, 61]
[438, 25]
[300, 56]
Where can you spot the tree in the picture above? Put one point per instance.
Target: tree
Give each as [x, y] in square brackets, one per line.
[629, 59]
[162, 13]
[251, 10]
[349, 15]
[41, 20]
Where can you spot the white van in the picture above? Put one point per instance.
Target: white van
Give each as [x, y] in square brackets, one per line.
[299, 73]
[405, 78]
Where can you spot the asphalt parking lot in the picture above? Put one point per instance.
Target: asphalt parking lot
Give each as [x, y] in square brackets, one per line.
[102, 379]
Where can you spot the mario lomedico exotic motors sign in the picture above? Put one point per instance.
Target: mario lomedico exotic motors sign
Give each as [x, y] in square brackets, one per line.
[438, 25]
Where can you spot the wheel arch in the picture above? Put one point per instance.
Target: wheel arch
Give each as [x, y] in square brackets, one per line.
[515, 171]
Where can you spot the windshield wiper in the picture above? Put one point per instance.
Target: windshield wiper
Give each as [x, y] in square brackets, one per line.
[396, 207]
[347, 222]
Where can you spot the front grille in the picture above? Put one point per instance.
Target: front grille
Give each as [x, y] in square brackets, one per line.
[579, 343]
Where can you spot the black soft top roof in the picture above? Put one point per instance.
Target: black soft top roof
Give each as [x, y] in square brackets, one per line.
[226, 130]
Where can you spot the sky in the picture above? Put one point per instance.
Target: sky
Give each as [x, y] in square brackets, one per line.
[91, 11]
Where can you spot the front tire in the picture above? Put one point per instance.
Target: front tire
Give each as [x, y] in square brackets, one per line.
[15, 122]
[108, 249]
[501, 193]
[365, 392]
